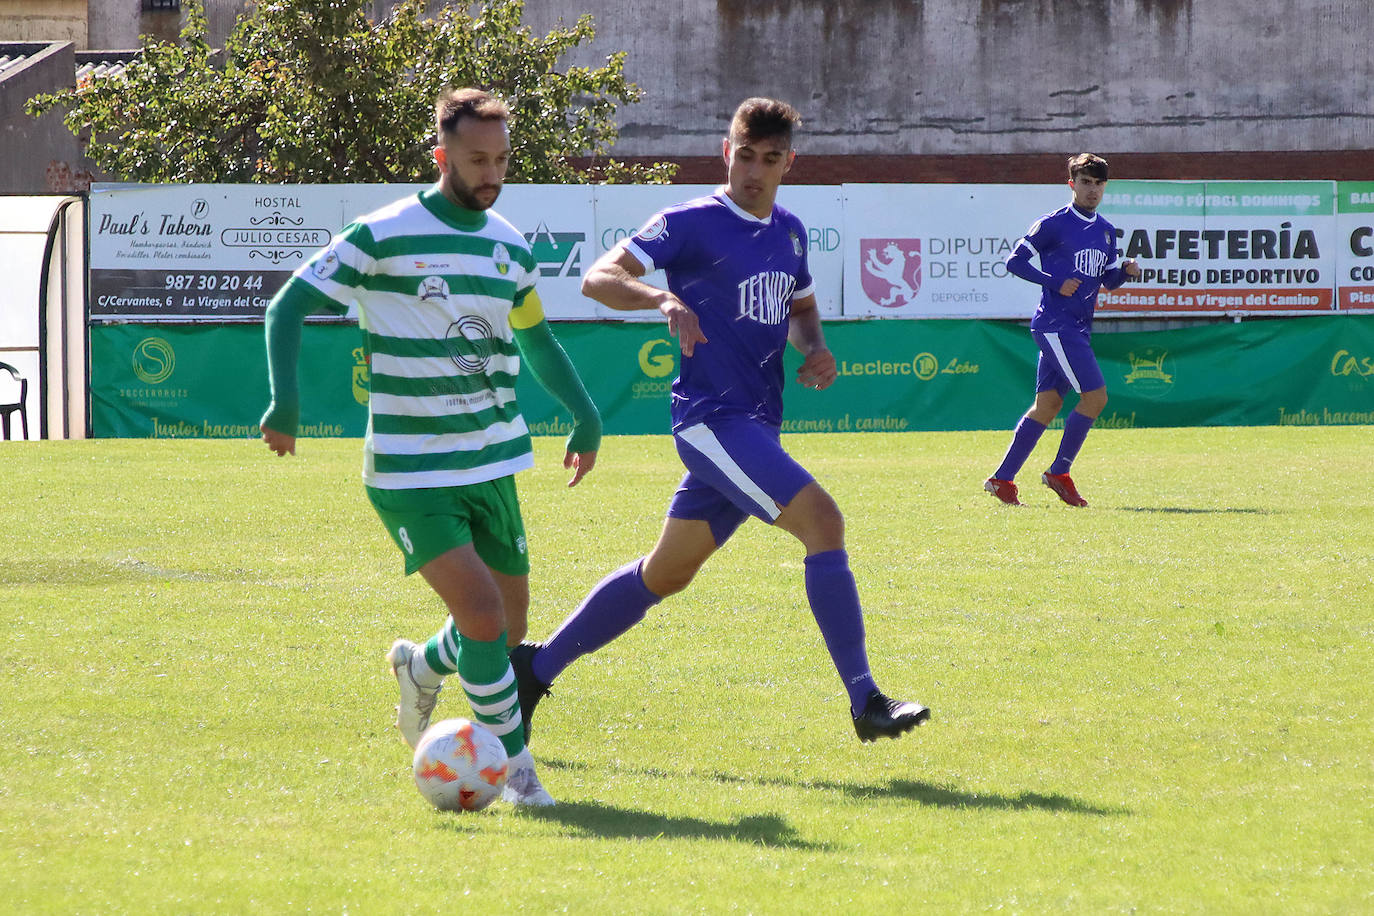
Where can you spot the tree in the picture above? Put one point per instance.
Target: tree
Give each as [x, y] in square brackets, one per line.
[312, 91]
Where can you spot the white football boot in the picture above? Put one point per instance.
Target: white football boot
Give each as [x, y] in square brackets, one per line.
[417, 703]
[523, 786]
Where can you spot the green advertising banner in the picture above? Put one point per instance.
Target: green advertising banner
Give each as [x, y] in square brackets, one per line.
[160, 380]
[210, 380]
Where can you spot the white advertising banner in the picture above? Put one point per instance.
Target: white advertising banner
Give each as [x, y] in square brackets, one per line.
[1355, 244]
[937, 251]
[220, 252]
[209, 251]
[1225, 246]
[1161, 223]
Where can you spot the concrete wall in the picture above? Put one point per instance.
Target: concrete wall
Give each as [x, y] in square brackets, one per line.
[117, 24]
[114, 24]
[43, 20]
[995, 76]
[960, 77]
[943, 90]
[38, 155]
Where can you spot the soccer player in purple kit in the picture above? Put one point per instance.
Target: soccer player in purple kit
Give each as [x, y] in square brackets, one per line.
[739, 292]
[1078, 256]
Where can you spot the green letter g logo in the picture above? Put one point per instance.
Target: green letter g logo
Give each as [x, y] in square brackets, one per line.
[656, 366]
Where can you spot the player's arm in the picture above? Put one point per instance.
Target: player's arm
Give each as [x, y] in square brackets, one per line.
[804, 332]
[614, 281]
[1019, 265]
[285, 316]
[555, 373]
[1129, 269]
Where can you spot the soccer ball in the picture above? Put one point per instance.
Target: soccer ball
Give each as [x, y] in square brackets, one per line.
[460, 766]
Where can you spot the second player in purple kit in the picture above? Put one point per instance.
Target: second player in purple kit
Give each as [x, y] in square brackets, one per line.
[739, 290]
[1078, 257]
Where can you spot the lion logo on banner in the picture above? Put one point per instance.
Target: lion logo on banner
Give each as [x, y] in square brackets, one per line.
[891, 270]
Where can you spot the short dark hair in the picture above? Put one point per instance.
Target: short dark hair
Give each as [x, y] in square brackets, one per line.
[761, 119]
[1089, 164]
[456, 104]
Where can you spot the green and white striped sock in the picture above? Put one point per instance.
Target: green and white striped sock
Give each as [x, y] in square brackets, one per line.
[485, 672]
[438, 658]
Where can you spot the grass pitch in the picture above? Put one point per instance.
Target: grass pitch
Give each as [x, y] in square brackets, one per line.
[1158, 704]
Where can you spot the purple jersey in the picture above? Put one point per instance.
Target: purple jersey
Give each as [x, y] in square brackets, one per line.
[1070, 245]
[740, 275]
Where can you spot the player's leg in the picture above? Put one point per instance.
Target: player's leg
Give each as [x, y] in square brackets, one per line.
[618, 602]
[814, 519]
[424, 525]
[515, 598]
[699, 520]
[1079, 365]
[498, 537]
[473, 645]
[1049, 387]
[745, 462]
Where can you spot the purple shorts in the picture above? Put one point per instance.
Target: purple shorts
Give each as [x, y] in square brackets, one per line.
[1066, 361]
[735, 468]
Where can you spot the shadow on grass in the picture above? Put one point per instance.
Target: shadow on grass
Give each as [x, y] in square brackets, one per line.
[926, 793]
[1184, 510]
[609, 821]
[923, 793]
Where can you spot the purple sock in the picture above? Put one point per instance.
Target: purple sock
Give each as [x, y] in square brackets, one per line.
[835, 603]
[618, 602]
[1028, 432]
[1076, 427]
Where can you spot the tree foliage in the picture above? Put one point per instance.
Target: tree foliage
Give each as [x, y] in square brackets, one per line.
[312, 91]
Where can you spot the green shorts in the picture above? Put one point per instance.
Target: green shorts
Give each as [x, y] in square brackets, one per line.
[429, 522]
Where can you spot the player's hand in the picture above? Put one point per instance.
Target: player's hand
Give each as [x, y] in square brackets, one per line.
[682, 324]
[1070, 286]
[581, 463]
[280, 443]
[818, 370]
[1131, 266]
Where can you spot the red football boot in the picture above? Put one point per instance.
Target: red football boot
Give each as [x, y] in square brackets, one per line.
[1062, 485]
[1004, 490]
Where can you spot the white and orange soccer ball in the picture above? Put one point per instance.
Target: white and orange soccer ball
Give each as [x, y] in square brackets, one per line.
[460, 766]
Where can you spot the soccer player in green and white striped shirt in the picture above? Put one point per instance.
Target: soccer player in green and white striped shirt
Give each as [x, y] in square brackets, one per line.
[447, 307]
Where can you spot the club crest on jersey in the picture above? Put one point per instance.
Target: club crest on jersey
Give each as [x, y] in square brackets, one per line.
[433, 288]
[796, 243]
[658, 226]
[501, 258]
[326, 266]
[890, 270]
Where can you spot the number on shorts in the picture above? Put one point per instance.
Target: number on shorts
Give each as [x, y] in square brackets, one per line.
[405, 539]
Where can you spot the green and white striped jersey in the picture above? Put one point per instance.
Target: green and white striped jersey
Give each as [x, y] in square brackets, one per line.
[439, 291]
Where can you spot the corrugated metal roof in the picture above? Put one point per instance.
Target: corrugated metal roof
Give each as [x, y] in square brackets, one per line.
[99, 69]
[100, 64]
[11, 60]
[93, 64]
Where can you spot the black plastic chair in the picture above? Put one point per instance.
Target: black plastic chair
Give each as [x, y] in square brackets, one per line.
[7, 409]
